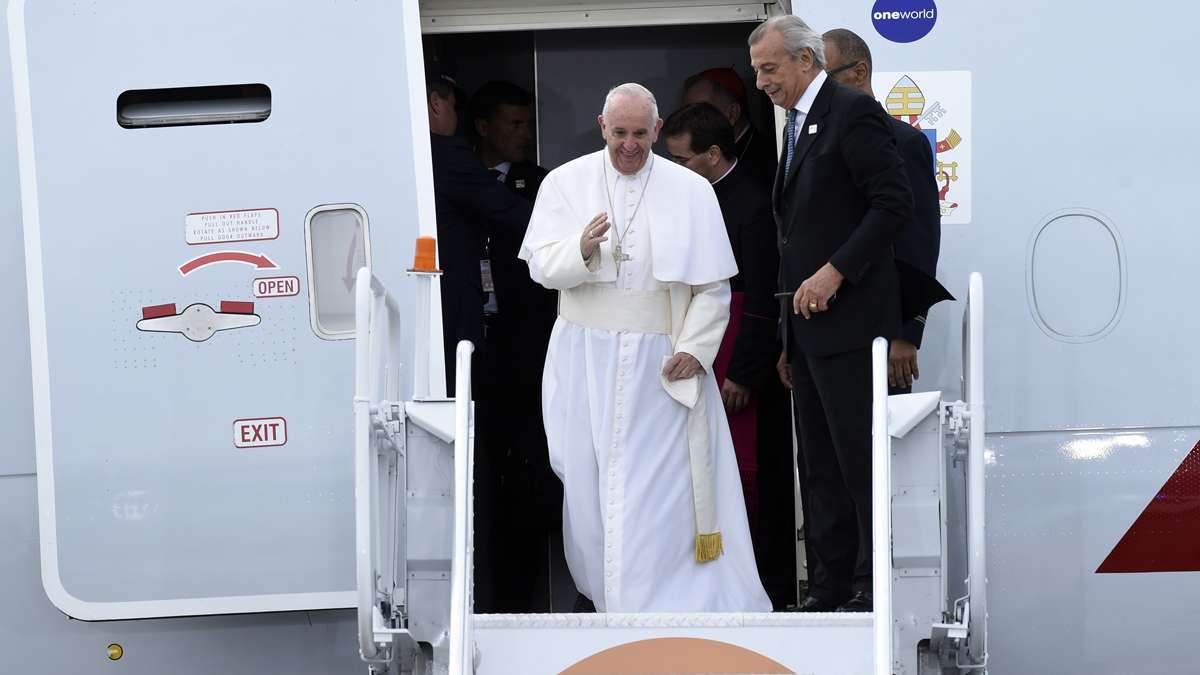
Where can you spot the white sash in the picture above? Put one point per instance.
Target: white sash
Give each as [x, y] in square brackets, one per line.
[618, 310]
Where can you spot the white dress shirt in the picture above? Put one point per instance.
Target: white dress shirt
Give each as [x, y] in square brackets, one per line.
[804, 105]
[503, 168]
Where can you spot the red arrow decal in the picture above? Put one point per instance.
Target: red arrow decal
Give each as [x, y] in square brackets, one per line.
[1163, 538]
[260, 261]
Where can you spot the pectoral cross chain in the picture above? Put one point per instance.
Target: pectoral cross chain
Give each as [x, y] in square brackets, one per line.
[619, 254]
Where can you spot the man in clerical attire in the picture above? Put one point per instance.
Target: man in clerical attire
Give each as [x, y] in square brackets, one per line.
[653, 515]
[723, 89]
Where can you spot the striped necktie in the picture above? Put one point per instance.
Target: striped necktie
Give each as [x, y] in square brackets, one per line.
[790, 138]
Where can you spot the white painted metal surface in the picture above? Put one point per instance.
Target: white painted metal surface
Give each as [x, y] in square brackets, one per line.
[379, 468]
[973, 350]
[462, 640]
[148, 505]
[824, 643]
[906, 411]
[429, 364]
[470, 16]
[919, 541]
[405, 494]
[881, 509]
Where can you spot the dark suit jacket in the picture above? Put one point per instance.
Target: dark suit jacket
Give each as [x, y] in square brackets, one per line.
[845, 202]
[920, 242]
[527, 309]
[746, 208]
[756, 151]
[531, 494]
[469, 201]
[524, 178]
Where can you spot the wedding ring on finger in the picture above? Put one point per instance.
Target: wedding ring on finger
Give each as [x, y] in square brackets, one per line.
[812, 306]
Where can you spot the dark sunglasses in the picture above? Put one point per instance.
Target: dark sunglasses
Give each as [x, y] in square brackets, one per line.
[842, 68]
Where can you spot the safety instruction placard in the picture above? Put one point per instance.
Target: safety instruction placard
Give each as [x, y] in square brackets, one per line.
[223, 227]
[937, 103]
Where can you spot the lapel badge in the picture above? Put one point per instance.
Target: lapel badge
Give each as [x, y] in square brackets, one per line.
[519, 183]
[812, 129]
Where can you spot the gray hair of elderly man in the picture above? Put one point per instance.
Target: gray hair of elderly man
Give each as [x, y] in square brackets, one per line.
[797, 36]
[631, 90]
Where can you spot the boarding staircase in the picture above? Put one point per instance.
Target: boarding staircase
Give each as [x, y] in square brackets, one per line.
[413, 461]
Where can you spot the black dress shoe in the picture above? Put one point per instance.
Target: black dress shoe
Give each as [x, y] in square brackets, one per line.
[812, 603]
[861, 602]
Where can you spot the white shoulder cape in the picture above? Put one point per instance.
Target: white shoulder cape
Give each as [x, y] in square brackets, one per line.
[687, 233]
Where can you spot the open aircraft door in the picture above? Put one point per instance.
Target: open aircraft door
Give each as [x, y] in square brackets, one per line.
[200, 184]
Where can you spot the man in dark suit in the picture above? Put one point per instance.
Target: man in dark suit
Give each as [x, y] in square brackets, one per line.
[529, 509]
[841, 199]
[700, 137]
[723, 89]
[502, 126]
[470, 203]
[848, 60]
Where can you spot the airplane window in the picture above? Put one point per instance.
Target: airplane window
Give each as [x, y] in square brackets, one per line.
[1076, 276]
[338, 245]
[190, 106]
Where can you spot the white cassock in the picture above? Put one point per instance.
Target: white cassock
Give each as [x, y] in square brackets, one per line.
[642, 490]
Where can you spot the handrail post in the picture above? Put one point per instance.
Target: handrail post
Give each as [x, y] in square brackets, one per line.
[976, 459]
[462, 646]
[881, 507]
[362, 464]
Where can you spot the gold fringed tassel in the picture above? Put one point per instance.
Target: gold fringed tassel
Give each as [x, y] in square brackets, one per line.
[709, 547]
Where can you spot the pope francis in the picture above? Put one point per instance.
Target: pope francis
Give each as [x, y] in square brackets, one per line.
[653, 515]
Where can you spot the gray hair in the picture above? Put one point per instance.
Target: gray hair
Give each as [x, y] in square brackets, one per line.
[797, 36]
[632, 90]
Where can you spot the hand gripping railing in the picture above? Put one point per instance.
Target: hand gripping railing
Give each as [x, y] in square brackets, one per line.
[462, 642]
[881, 507]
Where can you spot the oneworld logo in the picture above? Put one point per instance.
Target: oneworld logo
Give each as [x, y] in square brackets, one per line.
[904, 20]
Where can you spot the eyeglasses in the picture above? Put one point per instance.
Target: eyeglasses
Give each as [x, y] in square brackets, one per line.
[842, 68]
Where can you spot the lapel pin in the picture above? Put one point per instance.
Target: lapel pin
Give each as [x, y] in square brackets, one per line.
[812, 129]
[519, 183]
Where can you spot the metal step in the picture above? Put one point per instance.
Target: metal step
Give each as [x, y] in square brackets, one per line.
[829, 644]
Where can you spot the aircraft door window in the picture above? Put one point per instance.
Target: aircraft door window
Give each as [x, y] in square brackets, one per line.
[338, 241]
[191, 106]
